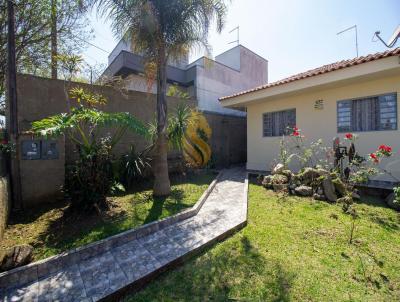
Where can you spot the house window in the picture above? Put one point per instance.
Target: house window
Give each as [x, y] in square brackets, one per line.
[277, 123]
[368, 114]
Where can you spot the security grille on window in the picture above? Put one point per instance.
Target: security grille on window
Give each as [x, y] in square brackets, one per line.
[277, 123]
[368, 114]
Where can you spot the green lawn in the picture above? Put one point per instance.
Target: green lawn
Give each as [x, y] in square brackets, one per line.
[51, 229]
[293, 249]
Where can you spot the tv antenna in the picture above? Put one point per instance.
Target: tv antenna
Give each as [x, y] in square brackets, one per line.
[393, 39]
[356, 31]
[237, 37]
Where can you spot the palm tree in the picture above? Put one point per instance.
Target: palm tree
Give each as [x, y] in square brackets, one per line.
[162, 30]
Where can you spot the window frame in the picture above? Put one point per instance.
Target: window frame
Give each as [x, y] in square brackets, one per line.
[272, 112]
[367, 97]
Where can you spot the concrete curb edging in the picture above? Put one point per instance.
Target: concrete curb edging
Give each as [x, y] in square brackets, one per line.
[142, 282]
[34, 271]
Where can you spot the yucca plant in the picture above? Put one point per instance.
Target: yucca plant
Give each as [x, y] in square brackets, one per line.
[132, 167]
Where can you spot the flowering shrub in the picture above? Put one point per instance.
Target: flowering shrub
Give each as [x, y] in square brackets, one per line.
[312, 155]
[295, 132]
[385, 150]
[342, 164]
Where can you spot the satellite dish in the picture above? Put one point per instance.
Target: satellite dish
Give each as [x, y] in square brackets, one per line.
[393, 39]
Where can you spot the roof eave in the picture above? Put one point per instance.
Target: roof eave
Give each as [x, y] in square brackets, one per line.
[389, 65]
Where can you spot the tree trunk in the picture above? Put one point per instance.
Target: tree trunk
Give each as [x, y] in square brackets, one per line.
[162, 186]
[54, 74]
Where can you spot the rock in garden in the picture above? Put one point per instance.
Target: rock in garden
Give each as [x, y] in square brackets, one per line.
[278, 169]
[340, 188]
[319, 197]
[392, 203]
[280, 187]
[355, 196]
[279, 179]
[329, 189]
[16, 256]
[309, 175]
[267, 181]
[322, 172]
[287, 173]
[304, 191]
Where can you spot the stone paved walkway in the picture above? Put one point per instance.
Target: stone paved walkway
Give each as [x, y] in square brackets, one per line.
[104, 275]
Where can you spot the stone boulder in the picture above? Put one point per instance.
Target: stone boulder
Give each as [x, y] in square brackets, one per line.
[329, 189]
[16, 256]
[287, 173]
[340, 188]
[278, 169]
[279, 179]
[267, 181]
[280, 187]
[392, 203]
[309, 175]
[355, 196]
[321, 197]
[304, 191]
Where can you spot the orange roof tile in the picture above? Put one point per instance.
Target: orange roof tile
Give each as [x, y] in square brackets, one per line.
[321, 70]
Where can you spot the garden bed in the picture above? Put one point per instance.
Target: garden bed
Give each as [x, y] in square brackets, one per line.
[294, 249]
[52, 229]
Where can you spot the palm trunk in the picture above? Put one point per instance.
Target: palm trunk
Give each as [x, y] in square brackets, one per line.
[54, 39]
[162, 185]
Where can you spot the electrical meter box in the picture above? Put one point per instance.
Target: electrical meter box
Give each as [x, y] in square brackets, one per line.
[31, 149]
[36, 149]
[49, 149]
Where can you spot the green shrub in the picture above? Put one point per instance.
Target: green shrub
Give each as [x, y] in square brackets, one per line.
[90, 178]
[132, 167]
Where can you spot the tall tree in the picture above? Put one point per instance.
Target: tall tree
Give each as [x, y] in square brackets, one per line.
[53, 33]
[33, 34]
[162, 30]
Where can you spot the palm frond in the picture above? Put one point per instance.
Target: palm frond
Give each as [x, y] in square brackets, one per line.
[61, 123]
[177, 125]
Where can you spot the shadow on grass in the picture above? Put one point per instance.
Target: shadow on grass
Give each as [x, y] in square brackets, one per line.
[158, 205]
[378, 213]
[236, 271]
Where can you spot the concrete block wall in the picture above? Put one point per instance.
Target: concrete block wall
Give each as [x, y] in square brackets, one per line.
[41, 180]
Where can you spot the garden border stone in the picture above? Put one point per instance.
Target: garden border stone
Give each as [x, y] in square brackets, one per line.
[35, 270]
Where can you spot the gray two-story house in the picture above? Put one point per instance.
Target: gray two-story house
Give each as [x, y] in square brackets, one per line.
[206, 80]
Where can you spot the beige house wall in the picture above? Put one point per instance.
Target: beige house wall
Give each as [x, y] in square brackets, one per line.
[315, 124]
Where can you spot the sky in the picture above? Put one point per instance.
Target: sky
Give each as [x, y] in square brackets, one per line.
[293, 35]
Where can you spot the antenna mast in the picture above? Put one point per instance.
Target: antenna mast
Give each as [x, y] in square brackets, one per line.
[356, 31]
[237, 37]
[393, 39]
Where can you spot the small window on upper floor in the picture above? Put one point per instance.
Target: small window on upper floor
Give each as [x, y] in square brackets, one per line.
[375, 113]
[277, 123]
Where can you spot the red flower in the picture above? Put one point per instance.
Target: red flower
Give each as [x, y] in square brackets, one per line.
[385, 148]
[4, 142]
[295, 129]
[349, 135]
[296, 133]
[374, 157]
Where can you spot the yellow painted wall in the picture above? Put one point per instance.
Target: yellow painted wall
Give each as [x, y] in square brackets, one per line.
[315, 124]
